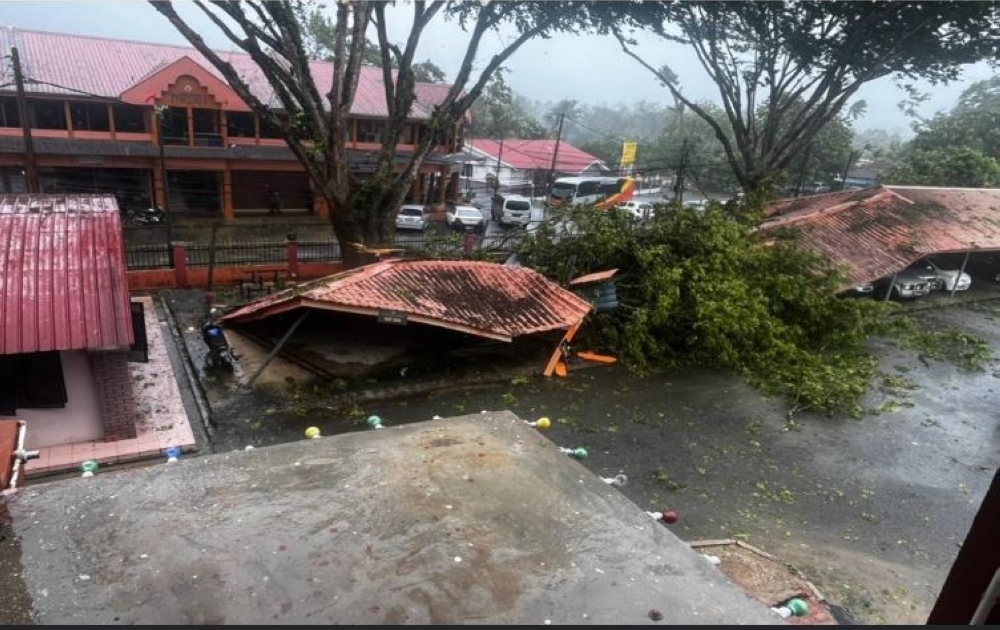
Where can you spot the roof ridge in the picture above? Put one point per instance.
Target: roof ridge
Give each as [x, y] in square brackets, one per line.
[14, 30]
[116, 39]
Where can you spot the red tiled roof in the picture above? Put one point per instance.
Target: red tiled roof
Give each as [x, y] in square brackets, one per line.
[480, 298]
[887, 228]
[794, 204]
[62, 274]
[535, 154]
[71, 64]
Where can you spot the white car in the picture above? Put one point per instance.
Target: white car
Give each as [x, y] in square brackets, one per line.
[412, 217]
[640, 210]
[942, 277]
[465, 218]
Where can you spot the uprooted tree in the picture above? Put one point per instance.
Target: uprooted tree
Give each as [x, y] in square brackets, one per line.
[786, 69]
[701, 289]
[316, 125]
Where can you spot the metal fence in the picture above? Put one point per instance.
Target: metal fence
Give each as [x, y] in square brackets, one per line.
[319, 251]
[238, 252]
[255, 252]
[138, 257]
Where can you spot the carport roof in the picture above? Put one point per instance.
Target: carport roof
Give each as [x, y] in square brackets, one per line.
[479, 298]
[876, 232]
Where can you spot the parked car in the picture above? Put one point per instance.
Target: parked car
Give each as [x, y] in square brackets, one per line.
[640, 210]
[909, 284]
[942, 275]
[985, 266]
[511, 209]
[466, 219]
[865, 289]
[412, 217]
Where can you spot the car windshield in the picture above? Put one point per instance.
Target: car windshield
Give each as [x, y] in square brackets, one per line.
[563, 191]
[469, 213]
[518, 205]
[411, 212]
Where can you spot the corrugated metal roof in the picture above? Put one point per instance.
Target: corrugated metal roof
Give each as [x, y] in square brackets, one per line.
[108, 67]
[481, 298]
[535, 154]
[794, 204]
[889, 227]
[62, 274]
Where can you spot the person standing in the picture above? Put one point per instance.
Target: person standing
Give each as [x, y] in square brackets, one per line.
[275, 202]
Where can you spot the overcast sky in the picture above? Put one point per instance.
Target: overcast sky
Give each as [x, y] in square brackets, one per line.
[588, 68]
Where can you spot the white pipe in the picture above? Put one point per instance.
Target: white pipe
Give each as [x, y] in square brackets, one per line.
[988, 601]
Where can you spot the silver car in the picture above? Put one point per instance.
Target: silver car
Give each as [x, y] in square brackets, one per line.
[909, 284]
[412, 217]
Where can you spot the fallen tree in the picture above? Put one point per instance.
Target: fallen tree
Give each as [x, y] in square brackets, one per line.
[700, 288]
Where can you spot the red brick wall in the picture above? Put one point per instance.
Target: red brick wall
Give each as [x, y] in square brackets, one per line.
[114, 394]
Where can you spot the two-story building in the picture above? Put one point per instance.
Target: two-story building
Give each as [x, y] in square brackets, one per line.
[92, 109]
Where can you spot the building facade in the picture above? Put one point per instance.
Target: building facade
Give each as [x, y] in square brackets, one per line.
[522, 166]
[102, 112]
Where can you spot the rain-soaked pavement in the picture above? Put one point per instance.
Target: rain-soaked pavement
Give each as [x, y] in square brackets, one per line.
[872, 510]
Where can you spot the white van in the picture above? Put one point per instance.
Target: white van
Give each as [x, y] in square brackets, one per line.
[511, 209]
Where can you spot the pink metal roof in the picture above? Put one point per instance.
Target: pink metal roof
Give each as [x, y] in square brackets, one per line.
[535, 154]
[62, 274]
[480, 298]
[889, 227]
[75, 64]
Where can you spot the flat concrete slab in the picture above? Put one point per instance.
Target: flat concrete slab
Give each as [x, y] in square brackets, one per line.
[478, 519]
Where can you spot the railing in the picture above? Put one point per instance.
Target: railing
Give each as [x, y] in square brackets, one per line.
[139, 257]
[319, 251]
[237, 252]
[208, 140]
[143, 256]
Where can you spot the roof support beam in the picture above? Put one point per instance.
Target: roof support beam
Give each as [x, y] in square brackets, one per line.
[965, 261]
[277, 348]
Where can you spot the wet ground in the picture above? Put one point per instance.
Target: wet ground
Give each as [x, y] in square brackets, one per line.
[873, 509]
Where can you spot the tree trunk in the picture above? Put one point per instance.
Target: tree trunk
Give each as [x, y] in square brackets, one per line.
[366, 221]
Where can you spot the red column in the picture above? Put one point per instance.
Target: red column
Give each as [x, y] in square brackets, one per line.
[178, 250]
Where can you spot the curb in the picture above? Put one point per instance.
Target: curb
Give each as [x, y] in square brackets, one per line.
[204, 409]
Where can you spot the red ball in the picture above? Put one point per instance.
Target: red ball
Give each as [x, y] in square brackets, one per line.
[669, 517]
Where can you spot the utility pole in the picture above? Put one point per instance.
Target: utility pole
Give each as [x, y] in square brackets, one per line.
[681, 172]
[851, 156]
[802, 170]
[160, 111]
[31, 173]
[555, 154]
[496, 183]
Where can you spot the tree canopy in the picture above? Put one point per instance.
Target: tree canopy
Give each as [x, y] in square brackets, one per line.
[784, 70]
[958, 148]
[316, 125]
[501, 113]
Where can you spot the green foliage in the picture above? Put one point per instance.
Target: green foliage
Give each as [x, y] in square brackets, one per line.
[951, 166]
[817, 53]
[958, 148]
[700, 288]
[501, 113]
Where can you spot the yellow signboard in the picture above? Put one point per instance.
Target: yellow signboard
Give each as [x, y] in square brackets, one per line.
[628, 153]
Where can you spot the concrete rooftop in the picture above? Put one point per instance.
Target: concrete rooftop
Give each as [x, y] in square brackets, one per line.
[477, 519]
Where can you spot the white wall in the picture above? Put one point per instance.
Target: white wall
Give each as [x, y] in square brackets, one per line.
[78, 421]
